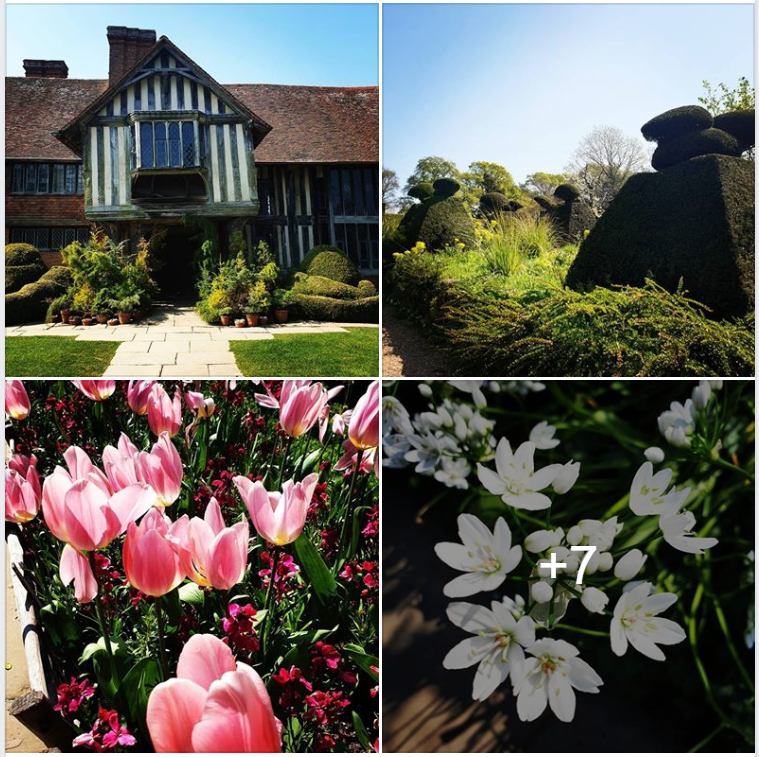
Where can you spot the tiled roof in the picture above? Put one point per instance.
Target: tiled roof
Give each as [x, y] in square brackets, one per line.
[310, 124]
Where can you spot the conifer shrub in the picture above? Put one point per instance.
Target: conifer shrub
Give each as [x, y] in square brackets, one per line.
[19, 253]
[335, 265]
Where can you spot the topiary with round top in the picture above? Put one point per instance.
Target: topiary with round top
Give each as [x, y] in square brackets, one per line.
[693, 145]
[676, 122]
[19, 253]
[566, 192]
[334, 265]
[494, 202]
[739, 124]
[421, 191]
[445, 187]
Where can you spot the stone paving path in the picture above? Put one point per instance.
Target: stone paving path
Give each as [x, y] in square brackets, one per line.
[174, 342]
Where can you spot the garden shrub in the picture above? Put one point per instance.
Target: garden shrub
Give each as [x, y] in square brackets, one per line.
[693, 144]
[18, 275]
[324, 287]
[313, 252]
[334, 265]
[445, 187]
[19, 253]
[675, 122]
[566, 192]
[422, 191]
[445, 223]
[494, 202]
[313, 307]
[366, 288]
[740, 124]
[30, 303]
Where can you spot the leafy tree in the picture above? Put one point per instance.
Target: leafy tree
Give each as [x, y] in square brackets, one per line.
[482, 177]
[430, 169]
[604, 160]
[721, 99]
[542, 183]
[390, 187]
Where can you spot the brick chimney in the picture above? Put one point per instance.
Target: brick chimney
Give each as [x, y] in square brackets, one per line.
[48, 69]
[127, 47]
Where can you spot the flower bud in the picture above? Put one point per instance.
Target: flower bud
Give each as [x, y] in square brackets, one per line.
[539, 541]
[654, 455]
[574, 536]
[541, 592]
[425, 390]
[629, 566]
[567, 477]
[594, 599]
[605, 561]
[701, 395]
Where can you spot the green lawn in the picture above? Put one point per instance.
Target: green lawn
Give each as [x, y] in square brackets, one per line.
[355, 353]
[56, 356]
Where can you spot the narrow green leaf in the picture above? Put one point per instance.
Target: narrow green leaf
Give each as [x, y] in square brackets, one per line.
[361, 732]
[322, 581]
[363, 660]
[192, 594]
[135, 690]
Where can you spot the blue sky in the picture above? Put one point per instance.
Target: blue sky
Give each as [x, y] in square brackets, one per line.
[520, 85]
[318, 44]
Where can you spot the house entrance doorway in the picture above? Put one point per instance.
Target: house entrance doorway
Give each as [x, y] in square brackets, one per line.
[173, 251]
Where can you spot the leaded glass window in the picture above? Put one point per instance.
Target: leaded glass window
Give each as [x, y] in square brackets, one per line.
[146, 145]
[17, 184]
[175, 146]
[70, 179]
[31, 178]
[160, 145]
[188, 144]
[58, 179]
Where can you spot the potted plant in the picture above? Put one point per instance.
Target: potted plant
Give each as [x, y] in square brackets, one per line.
[282, 299]
[65, 306]
[54, 311]
[75, 320]
[124, 307]
[113, 321]
[240, 323]
[88, 320]
[225, 316]
[101, 306]
[257, 302]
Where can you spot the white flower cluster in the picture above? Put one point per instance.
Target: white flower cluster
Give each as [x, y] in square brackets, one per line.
[477, 388]
[443, 442]
[678, 424]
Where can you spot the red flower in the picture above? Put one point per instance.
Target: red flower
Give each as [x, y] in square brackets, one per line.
[71, 695]
[106, 733]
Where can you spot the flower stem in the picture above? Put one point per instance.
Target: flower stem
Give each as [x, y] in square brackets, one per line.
[349, 508]
[282, 464]
[268, 604]
[586, 631]
[718, 461]
[161, 639]
[101, 617]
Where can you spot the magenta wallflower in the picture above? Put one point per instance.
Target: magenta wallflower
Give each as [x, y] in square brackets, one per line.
[106, 734]
[72, 694]
[17, 403]
[96, 390]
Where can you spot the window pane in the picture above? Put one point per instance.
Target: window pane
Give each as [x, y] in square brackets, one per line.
[347, 192]
[18, 178]
[80, 179]
[358, 193]
[43, 178]
[17, 235]
[43, 239]
[188, 143]
[31, 179]
[160, 145]
[337, 206]
[57, 239]
[175, 146]
[68, 236]
[83, 235]
[30, 237]
[146, 145]
[70, 179]
[58, 178]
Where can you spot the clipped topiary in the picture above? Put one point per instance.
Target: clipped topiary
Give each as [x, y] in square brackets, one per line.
[334, 265]
[314, 251]
[30, 303]
[19, 253]
[421, 191]
[446, 222]
[566, 192]
[676, 122]
[514, 206]
[739, 124]
[315, 308]
[544, 202]
[694, 144]
[445, 187]
[18, 275]
[494, 202]
[321, 286]
[366, 288]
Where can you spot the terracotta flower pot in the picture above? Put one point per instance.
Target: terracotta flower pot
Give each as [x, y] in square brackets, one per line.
[75, 320]
[65, 313]
[88, 321]
[263, 320]
[113, 321]
[225, 320]
[240, 323]
[55, 318]
[125, 318]
[102, 317]
[281, 315]
[252, 319]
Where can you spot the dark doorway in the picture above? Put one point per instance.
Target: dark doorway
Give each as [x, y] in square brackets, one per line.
[173, 252]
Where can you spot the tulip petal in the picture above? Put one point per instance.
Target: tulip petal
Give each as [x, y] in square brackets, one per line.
[85, 508]
[174, 708]
[204, 660]
[76, 567]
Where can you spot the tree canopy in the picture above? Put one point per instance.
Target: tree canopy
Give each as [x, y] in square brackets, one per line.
[542, 183]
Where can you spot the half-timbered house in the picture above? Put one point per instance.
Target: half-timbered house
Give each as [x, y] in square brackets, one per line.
[161, 141]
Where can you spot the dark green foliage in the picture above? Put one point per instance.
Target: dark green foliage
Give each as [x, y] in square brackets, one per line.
[566, 192]
[334, 265]
[311, 307]
[544, 202]
[415, 280]
[313, 252]
[494, 202]
[622, 332]
[740, 124]
[421, 191]
[319, 285]
[693, 222]
[30, 303]
[514, 206]
[445, 187]
[675, 122]
[366, 288]
[18, 275]
[21, 254]
[445, 223]
[694, 144]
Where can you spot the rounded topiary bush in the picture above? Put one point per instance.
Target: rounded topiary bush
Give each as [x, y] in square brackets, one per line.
[323, 287]
[494, 202]
[693, 144]
[544, 202]
[676, 122]
[739, 124]
[567, 192]
[421, 191]
[60, 274]
[366, 288]
[314, 251]
[18, 275]
[30, 303]
[445, 187]
[315, 308]
[334, 265]
[21, 254]
[446, 223]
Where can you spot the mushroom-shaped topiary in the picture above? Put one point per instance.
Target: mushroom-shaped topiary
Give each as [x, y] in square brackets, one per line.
[566, 192]
[494, 202]
[421, 191]
[675, 122]
[694, 144]
[739, 124]
[514, 206]
[445, 187]
[544, 202]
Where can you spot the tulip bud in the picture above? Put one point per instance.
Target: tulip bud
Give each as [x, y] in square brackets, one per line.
[541, 592]
[594, 599]
[17, 403]
[539, 541]
[629, 566]
[654, 455]
[567, 477]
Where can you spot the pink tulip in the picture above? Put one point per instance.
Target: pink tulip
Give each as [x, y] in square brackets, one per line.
[300, 404]
[17, 403]
[22, 496]
[137, 395]
[213, 705]
[198, 403]
[121, 464]
[76, 567]
[164, 414]
[27, 468]
[162, 469]
[369, 460]
[364, 425]
[94, 389]
[279, 518]
[151, 556]
[212, 554]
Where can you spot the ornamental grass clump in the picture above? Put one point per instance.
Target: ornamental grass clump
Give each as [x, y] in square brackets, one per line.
[204, 560]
